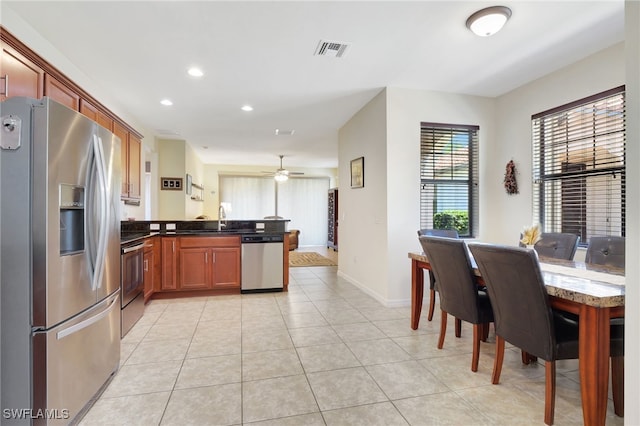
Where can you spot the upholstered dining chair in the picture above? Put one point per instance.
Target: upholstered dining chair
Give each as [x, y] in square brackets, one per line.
[610, 251]
[524, 317]
[557, 245]
[449, 233]
[606, 250]
[460, 295]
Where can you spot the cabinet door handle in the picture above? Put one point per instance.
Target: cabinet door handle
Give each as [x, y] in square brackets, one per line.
[206, 257]
[173, 246]
[214, 257]
[146, 265]
[6, 85]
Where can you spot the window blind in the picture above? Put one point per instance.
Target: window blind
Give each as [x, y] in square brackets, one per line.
[579, 166]
[449, 177]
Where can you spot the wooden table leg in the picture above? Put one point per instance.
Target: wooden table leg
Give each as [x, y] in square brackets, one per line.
[417, 293]
[594, 363]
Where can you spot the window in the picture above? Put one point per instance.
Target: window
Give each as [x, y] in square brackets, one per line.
[579, 166]
[449, 177]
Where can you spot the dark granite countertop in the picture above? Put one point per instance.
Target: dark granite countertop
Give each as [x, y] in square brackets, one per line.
[133, 231]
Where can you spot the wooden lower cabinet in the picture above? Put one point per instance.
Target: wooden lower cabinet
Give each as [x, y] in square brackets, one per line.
[226, 270]
[169, 279]
[149, 268]
[200, 263]
[195, 268]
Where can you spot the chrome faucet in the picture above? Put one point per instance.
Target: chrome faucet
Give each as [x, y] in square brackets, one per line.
[222, 216]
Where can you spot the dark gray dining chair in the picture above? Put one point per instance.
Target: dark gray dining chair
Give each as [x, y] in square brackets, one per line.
[610, 251]
[524, 317]
[459, 292]
[606, 250]
[448, 233]
[557, 245]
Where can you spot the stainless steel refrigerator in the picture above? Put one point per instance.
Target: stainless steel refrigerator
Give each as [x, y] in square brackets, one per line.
[60, 260]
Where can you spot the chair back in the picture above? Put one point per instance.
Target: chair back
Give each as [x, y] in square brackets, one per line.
[606, 250]
[449, 233]
[523, 316]
[455, 280]
[557, 245]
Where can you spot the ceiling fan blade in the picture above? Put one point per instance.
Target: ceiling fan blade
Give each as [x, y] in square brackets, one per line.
[296, 173]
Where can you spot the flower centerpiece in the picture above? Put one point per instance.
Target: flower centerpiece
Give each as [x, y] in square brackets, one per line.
[531, 235]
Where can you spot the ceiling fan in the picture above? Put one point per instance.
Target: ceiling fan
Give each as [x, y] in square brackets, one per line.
[282, 174]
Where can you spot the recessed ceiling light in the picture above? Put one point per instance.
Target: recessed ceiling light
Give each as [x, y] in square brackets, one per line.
[247, 108]
[282, 132]
[166, 102]
[195, 72]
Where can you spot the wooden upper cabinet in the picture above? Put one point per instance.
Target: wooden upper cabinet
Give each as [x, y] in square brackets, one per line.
[19, 76]
[59, 92]
[135, 149]
[96, 115]
[123, 134]
[130, 148]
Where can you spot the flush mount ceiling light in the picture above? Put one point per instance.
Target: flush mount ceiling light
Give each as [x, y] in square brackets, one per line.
[166, 102]
[489, 21]
[247, 108]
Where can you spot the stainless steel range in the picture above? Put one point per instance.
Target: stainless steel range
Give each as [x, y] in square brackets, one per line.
[132, 284]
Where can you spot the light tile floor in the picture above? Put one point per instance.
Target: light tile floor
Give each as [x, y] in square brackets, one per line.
[324, 353]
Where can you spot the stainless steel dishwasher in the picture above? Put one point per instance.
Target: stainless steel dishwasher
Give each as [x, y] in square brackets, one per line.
[262, 263]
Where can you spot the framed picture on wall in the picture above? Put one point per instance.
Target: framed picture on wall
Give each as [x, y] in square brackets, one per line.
[171, 183]
[357, 173]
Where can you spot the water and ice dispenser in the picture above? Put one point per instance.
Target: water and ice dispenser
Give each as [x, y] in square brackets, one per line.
[71, 219]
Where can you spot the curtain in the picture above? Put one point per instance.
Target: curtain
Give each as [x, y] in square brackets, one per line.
[302, 200]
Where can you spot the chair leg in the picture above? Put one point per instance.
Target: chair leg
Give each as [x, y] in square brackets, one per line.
[443, 329]
[497, 362]
[617, 384]
[432, 304]
[477, 332]
[527, 358]
[549, 392]
[458, 327]
[485, 331]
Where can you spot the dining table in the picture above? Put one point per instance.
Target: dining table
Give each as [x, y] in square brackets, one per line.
[595, 293]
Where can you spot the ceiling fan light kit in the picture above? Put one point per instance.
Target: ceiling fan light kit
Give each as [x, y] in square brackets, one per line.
[282, 174]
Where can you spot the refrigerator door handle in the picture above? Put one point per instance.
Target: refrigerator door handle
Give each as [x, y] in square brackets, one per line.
[103, 212]
[86, 323]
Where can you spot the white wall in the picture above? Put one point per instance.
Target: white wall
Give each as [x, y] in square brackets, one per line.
[506, 215]
[378, 223]
[632, 314]
[171, 163]
[31, 38]
[362, 212]
[195, 168]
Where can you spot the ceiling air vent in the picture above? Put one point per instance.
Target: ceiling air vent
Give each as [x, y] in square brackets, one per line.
[336, 49]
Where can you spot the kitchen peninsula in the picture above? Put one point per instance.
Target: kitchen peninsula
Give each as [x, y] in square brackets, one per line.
[199, 257]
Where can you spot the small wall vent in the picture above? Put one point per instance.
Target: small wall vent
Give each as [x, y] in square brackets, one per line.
[336, 49]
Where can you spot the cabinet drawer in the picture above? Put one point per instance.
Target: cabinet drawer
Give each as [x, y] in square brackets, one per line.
[227, 241]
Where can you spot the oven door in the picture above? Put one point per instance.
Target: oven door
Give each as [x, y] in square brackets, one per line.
[132, 272]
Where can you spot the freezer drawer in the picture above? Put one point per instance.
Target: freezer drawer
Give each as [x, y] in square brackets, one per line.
[72, 361]
[262, 267]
